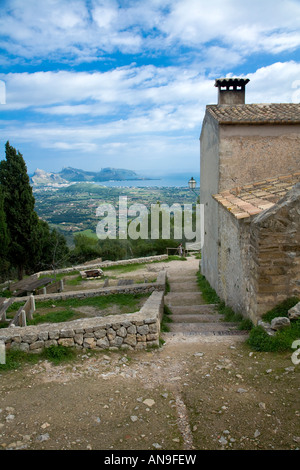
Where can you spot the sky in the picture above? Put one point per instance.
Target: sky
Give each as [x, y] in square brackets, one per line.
[124, 83]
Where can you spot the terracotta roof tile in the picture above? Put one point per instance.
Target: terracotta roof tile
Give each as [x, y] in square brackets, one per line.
[281, 113]
[251, 199]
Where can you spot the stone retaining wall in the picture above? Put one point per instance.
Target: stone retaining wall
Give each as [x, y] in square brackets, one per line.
[159, 285]
[104, 264]
[137, 330]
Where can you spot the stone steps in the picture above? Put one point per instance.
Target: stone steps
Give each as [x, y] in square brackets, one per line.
[202, 328]
[203, 309]
[190, 314]
[196, 318]
[184, 299]
[188, 286]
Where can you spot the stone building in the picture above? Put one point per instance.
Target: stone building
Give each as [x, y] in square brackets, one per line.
[250, 188]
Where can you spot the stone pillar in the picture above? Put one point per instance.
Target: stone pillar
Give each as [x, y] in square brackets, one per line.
[23, 318]
[32, 307]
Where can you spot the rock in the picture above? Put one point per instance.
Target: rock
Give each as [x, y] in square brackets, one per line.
[43, 437]
[294, 312]
[290, 369]
[156, 445]
[257, 433]
[9, 418]
[279, 323]
[241, 390]
[223, 441]
[149, 402]
[133, 418]
[266, 326]
[143, 330]
[45, 425]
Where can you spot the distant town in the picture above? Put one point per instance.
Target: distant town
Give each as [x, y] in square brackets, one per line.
[70, 206]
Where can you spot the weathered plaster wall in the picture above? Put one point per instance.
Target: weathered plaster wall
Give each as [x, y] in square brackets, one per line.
[234, 272]
[253, 153]
[209, 183]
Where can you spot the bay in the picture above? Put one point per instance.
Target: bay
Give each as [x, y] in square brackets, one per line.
[179, 180]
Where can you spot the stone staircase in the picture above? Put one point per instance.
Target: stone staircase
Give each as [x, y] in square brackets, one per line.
[190, 314]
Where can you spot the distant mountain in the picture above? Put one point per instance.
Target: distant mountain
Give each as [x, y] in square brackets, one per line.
[70, 175]
[41, 177]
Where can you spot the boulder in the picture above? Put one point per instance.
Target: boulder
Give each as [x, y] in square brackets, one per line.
[279, 323]
[294, 312]
[267, 327]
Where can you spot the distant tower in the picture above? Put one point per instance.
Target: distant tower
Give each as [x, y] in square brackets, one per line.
[231, 90]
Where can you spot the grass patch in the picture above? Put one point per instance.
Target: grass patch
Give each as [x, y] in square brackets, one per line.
[281, 310]
[231, 316]
[208, 293]
[15, 359]
[54, 317]
[259, 340]
[166, 319]
[210, 297]
[175, 258]
[127, 268]
[59, 276]
[63, 310]
[73, 282]
[58, 354]
[101, 302]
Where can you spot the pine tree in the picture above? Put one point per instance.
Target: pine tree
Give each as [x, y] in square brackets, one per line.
[21, 219]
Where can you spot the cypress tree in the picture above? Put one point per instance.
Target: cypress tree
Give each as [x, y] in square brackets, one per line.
[4, 239]
[21, 219]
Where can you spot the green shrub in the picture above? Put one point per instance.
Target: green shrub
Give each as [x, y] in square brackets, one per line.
[208, 293]
[282, 340]
[164, 327]
[15, 358]
[58, 353]
[259, 340]
[281, 310]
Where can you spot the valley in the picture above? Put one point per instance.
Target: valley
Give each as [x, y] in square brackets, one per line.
[71, 209]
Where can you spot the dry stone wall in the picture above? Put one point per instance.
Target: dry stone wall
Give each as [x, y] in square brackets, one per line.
[275, 253]
[137, 330]
[104, 264]
[159, 285]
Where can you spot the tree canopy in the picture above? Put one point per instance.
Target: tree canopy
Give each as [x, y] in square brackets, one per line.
[30, 242]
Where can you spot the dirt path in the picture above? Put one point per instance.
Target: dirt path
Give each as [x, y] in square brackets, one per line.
[195, 392]
[190, 394]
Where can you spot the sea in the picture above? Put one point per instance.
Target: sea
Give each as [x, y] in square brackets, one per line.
[170, 180]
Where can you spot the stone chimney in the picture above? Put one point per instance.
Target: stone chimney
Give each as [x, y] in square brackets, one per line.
[231, 90]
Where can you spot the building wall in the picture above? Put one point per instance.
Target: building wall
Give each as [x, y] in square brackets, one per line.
[234, 267]
[252, 266]
[209, 184]
[275, 254]
[253, 153]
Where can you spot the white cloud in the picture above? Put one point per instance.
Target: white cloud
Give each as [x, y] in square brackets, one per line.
[141, 111]
[132, 104]
[84, 31]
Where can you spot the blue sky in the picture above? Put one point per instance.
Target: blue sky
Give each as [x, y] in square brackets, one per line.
[124, 83]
